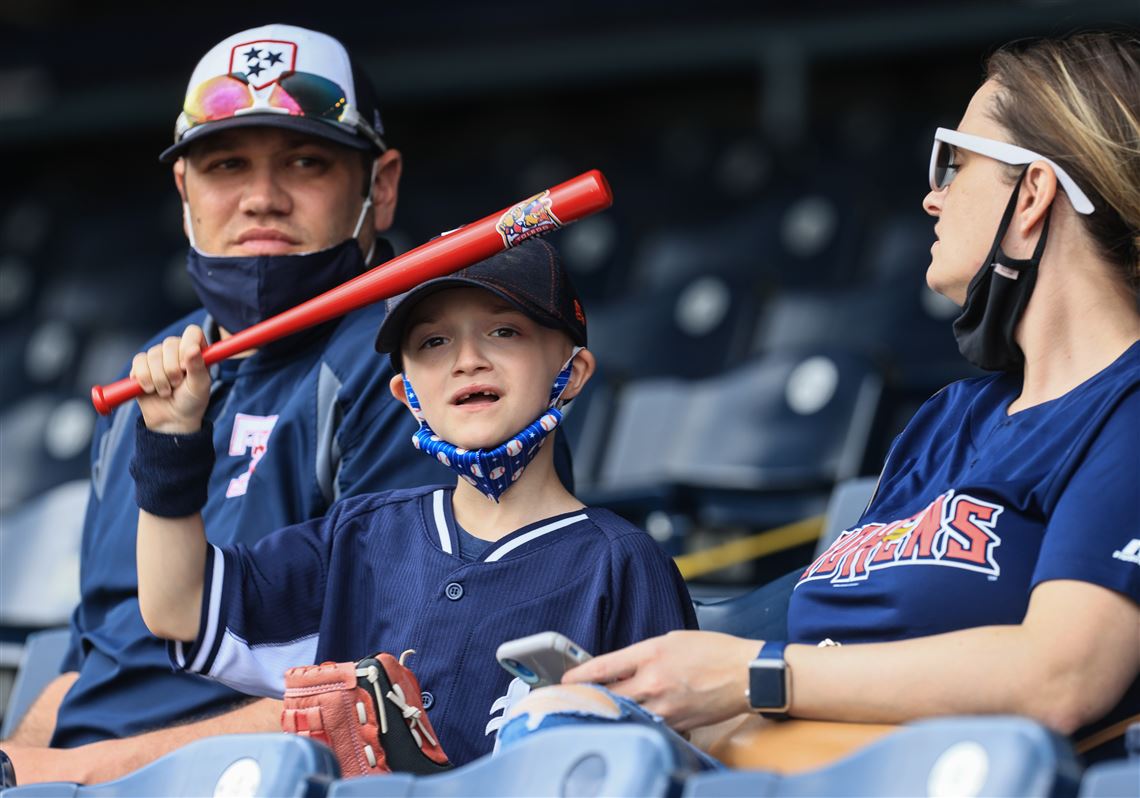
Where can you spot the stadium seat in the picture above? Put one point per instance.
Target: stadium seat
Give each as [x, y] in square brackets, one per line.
[946, 756]
[251, 765]
[617, 759]
[890, 316]
[778, 422]
[759, 614]
[848, 501]
[804, 232]
[39, 557]
[39, 664]
[587, 425]
[17, 382]
[46, 438]
[693, 328]
[1117, 779]
[733, 246]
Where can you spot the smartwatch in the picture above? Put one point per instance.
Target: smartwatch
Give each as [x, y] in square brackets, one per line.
[770, 682]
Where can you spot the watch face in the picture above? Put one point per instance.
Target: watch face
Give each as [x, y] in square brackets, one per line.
[766, 686]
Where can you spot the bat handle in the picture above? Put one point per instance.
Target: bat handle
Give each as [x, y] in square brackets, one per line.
[107, 397]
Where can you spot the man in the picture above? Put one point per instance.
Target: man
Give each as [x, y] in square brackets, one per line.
[285, 178]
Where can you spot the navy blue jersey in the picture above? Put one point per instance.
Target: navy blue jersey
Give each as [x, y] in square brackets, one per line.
[976, 507]
[383, 573]
[296, 427]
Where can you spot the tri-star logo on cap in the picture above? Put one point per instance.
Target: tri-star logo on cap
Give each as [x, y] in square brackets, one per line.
[279, 76]
[263, 62]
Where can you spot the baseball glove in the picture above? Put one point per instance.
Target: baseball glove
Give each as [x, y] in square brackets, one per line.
[369, 713]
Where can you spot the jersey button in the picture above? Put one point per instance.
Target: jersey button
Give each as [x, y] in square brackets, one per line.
[427, 699]
[454, 591]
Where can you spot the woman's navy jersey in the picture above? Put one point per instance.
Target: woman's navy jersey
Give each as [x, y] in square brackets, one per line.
[976, 507]
[383, 573]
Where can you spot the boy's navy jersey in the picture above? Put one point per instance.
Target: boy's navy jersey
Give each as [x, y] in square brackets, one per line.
[976, 507]
[383, 573]
[296, 427]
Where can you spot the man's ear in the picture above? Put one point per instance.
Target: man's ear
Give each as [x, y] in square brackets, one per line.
[179, 170]
[386, 188]
[582, 367]
[396, 386]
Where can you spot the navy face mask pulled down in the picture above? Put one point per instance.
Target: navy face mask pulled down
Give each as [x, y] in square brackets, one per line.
[492, 471]
[996, 300]
[243, 290]
[240, 291]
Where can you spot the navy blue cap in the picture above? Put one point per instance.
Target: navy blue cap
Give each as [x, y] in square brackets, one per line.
[530, 276]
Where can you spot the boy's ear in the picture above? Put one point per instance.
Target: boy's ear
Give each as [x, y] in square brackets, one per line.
[581, 369]
[396, 386]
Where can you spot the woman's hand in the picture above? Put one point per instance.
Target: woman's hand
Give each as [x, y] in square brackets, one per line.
[176, 383]
[689, 678]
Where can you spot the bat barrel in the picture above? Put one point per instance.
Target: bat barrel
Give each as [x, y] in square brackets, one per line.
[549, 210]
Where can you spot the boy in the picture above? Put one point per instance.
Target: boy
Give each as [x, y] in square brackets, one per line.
[449, 572]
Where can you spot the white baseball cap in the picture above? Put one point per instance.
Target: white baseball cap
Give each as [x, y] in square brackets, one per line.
[279, 76]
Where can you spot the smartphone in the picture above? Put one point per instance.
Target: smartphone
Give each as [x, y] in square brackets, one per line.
[540, 659]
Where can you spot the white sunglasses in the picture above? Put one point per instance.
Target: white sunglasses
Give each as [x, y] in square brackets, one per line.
[942, 169]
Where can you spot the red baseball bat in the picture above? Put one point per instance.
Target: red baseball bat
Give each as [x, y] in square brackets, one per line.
[548, 210]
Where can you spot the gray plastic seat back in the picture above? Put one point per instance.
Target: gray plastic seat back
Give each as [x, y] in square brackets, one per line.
[251, 765]
[585, 760]
[946, 756]
[39, 664]
[1111, 779]
[848, 501]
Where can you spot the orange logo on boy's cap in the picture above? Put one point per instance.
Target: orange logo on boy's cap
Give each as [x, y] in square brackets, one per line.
[579, 314]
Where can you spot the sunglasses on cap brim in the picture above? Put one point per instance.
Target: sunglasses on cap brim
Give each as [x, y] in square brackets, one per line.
[943, 168]
[294, 93]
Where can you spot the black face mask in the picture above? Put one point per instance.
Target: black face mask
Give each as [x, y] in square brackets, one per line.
[244, 290]
[996, 300]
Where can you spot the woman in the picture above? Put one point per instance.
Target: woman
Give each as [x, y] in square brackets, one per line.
[997, 569]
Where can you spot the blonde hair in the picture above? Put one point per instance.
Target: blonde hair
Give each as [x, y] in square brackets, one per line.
[1076, 100]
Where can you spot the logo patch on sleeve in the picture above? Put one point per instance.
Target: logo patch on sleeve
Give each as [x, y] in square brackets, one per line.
[1130, 553]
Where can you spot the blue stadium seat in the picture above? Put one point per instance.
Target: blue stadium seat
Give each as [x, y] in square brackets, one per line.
[17, 382]
[593, 251]
[759, 614]
[848, 501]
[693, 328]
[948, 756]
[806, 231]
[620, 759]
[47, 439]
[277, 765]
[734, 246]
[39, 663]
[587, 425]
[778, 422]
[891, 316]
[114, 262]
[1117, 779]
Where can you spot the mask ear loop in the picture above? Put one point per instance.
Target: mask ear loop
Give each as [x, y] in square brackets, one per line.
[188, 221]
[364, 211]
[561, 381]
[413, 401]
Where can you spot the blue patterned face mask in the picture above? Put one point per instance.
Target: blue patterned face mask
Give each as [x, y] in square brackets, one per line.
[492, 471]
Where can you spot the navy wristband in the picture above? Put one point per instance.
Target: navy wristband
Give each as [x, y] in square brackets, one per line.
[172, 472]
